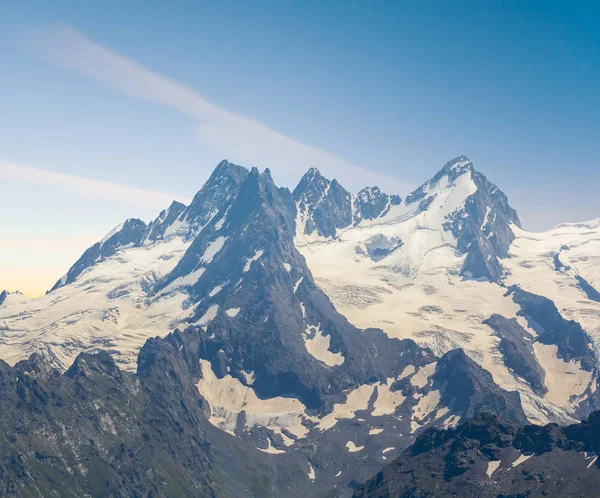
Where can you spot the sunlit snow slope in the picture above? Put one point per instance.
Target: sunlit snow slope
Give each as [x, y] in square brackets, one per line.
[405, 272]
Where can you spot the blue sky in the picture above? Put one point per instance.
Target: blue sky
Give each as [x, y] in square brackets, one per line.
[110, 109]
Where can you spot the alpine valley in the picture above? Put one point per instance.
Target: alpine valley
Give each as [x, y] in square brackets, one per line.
[263, 342]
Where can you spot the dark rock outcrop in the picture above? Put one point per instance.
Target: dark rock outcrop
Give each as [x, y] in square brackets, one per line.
[488, 457]
[325, 205]
[257, 271]
[98, 431]
[469, 389]
[516, 347]
[572, 341]
[156, 229]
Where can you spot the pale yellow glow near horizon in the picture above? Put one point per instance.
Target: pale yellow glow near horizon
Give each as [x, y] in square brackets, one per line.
[32, 266]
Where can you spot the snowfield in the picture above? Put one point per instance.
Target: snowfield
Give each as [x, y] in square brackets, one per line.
[416, 291]
[107, 307]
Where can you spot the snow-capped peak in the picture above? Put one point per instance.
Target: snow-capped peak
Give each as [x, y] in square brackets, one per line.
[8, 297]
[446, 177]
[458, 165]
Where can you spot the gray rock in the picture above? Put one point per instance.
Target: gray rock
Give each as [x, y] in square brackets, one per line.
[516, 346]
[572, 341]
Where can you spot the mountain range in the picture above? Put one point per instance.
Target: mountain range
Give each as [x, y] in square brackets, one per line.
[300, 341]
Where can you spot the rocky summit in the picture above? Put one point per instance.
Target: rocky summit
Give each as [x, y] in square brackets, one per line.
[268, 342]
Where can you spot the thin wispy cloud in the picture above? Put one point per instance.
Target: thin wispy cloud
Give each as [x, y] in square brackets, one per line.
[235, 137]
[85, 187]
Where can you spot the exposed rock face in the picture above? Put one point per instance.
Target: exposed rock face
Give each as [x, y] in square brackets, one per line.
[572, 341]
[324, 206]
[590, 291]
[255, 333]
[469, 389]
[517, 350]
[258, 272]
[490, 458]
[214, 196]
[371, 203]
[482, 226]
[157, 229]
[97, 431]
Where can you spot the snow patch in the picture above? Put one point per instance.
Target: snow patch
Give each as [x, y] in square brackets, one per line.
[492, 467]
[352, 448]
[228, 397]
[311, 472]
[522, 458]
[297, 284]
[270, 449]
[215, 291]
[232, 312]
[421, 378]
[209, 316]
[248, 377]
[251, 260]
[387, 400]
[318, 347]
[358, 399]
[212, 250]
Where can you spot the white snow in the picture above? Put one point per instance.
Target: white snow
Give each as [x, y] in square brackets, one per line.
[311, 472]
[270, 449]
[486, 218]
[352, 448]
[563, 379]
[209, 316]
[374, 432]
[215, 291]
[386, 401]
[297, 284]
[107, 304]
[356, 400]
[232, 312]
[425, 407]
[212, 250]
[287, 267]
[387, 450]
[14, 298]
[318, 347]
[228, 397]
[184, 281]
[522, 458]
[421, 378]
[114, 231]
[251, 260]
[416, 291]
[531, 266]
[248, 377]
[492, 467]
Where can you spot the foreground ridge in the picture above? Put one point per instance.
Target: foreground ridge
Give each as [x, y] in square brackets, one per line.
[489, 457]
